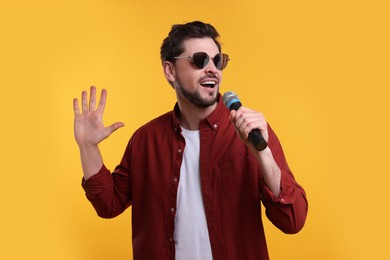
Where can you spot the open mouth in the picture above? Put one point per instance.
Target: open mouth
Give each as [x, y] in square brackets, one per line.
[208, 84]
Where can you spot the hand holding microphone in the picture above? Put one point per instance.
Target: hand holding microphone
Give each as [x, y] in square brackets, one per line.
[232, 102]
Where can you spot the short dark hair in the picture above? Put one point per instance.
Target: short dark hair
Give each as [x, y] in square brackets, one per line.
[172, 46]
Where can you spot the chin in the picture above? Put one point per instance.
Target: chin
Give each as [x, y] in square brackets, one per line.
[205, 103]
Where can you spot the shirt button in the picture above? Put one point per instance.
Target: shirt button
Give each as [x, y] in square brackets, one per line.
[170, 239]
[215, 126]
[179, 150]
[175, 179]
[282, 200]
[172, 209]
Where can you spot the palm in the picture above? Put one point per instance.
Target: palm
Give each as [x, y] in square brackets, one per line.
[88, 124]
[89, 128]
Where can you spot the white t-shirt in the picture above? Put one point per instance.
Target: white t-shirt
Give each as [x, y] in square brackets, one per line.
[191, 234]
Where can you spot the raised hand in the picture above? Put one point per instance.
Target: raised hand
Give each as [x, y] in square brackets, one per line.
[89, 129]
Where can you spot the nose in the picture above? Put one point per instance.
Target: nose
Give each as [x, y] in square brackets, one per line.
[211, 68]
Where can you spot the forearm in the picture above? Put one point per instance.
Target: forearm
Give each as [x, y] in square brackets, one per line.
[91, 160]
[270, 170]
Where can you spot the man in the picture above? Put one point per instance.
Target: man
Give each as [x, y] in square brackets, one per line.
[192, 178]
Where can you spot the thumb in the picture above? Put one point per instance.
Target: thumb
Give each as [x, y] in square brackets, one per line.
[232, 115]
[112, 128]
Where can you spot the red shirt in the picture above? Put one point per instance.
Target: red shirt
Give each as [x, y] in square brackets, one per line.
[231, 181]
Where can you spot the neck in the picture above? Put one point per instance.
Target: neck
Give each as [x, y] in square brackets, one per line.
[192, 115]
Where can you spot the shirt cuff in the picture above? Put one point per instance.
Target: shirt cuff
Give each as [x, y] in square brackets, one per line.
[287, 191]
[96, 183]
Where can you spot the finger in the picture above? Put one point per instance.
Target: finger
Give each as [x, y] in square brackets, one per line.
[110, 129]
[232, 115]
[102, 101]
[84, 104]
[240, 117]
[92, 98]
[248, 126]
[249, 121]
[76, 108]
[244, 129]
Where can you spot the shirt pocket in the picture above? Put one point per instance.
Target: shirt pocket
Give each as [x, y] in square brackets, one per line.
[233, 178]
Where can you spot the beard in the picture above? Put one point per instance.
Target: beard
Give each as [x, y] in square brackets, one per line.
[195, 97]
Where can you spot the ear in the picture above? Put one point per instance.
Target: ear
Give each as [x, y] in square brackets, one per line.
[169, 71]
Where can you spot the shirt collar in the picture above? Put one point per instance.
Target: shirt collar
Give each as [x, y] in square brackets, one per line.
[213, 120]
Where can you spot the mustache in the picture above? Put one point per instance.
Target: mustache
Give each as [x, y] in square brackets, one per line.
[210, 76]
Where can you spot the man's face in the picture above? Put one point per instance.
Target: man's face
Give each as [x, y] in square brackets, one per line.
[198, 86]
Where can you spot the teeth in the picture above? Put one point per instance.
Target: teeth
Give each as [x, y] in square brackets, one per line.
[208, 83]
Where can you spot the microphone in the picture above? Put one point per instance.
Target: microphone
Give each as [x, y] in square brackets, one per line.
[232, 102]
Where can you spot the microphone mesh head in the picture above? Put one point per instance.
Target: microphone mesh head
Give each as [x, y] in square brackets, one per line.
[229, 97]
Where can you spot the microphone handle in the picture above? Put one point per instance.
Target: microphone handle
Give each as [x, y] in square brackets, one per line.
[257, 140]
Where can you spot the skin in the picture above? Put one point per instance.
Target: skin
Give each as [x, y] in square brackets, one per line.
[186, 77]
[89, 130]
[195, 101]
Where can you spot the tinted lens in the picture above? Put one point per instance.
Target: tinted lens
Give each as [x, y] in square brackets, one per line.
[224, 61]
[200, 59]
[218, 61]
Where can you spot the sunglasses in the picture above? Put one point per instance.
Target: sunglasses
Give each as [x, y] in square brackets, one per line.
[201, 59]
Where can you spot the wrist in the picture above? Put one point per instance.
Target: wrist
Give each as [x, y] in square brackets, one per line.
[263, 155]
[87, 147]
[91, 160]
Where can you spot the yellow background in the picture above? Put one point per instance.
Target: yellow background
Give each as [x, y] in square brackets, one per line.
[318, 70]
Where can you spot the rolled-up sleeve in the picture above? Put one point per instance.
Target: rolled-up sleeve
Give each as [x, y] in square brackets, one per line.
[288, 211]
[110, 193]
